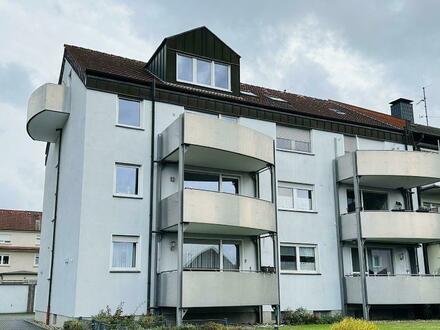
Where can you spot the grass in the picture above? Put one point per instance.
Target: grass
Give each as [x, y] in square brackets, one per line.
[394, 325]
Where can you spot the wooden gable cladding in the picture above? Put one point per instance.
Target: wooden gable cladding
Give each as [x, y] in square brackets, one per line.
[201, 43]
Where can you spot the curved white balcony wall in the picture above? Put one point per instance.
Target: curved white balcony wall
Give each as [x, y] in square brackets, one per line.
[46, 112]
[219, 213]
[395, 290]
[391, 169]
[216, 143]
[393, 226]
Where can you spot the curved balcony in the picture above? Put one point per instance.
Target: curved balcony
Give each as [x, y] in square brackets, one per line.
[218, 213]
[390, 169]
[216, 143]
[213, 289]
[46, 112]
[408, 227]
[395, 290]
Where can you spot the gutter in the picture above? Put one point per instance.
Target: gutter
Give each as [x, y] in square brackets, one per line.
[152, 164]
[54, 221]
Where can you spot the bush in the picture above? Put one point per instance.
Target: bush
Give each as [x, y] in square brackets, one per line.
[151, 321]
[302, 316]
[354, 324]
[73, 325]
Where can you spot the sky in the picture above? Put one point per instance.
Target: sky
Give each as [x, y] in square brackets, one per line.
[365, 53]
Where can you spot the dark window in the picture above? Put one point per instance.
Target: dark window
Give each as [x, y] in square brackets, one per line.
[351, 207]
[355, 260]
[202, 181]
[288, 258]
[374, 201]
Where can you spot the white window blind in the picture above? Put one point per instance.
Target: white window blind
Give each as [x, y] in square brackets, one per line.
[124, 251]
[295, 139]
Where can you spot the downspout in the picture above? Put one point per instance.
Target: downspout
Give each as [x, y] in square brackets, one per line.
[152, 164]
[54, 221]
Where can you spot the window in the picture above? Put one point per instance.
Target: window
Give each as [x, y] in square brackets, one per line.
[298, 258]
[36, 259]
[275, 98]
[5, 239]
[248, 93]
[212, 182]
[37, 239]
[129, 113]
[127, 180]
[227, 118]
[203, 72]
[295, 197]
[339, 112]
[380, 261]
[4, 260]
[38, 225]
[293, 139]
[433, 207]
[124, 252]
[371, 201]
[203, 254]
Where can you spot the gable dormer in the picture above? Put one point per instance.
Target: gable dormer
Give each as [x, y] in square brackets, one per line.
[197, 58]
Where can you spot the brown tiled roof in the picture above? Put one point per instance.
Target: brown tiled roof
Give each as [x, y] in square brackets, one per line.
[86, 61]
[19, 220]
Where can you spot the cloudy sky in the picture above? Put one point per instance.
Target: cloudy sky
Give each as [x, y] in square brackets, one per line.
[363, 52]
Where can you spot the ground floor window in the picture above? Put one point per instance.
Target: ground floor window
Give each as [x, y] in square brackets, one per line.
[201, 254]
[4, 260]
[298, 258]
[124, 254]
[36, 259]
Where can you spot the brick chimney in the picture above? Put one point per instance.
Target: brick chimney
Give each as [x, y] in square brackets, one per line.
[403, 109]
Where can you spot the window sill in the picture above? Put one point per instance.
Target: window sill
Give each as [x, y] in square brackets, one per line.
[296, 152]
[296, 210]
[130, 127]
[299, 273]
[124, 270]
[5, 265]
[127, 196]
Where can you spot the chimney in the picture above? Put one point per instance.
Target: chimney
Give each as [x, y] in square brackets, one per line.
[403, 109]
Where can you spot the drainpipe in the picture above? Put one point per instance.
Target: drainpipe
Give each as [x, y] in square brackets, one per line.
[152, 164]
[54, 221]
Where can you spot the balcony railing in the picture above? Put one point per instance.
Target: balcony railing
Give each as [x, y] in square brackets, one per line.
[390, 169]
[214, 213]
[395, 289]
[393, 226]
[212, 289]
[46, 112]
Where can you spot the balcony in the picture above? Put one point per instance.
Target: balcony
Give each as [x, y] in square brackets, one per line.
[411, 227]
[46, 112]
[213, 289]
[390, 169]
[218, 213]
[215, 143]
[395, 290]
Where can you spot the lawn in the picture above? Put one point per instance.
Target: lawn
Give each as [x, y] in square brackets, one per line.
[410, 325]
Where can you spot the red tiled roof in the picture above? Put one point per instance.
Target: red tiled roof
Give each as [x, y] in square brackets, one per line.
[86, 61]
[19, 220]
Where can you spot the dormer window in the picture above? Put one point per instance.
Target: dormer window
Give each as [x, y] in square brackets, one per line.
[203, 72]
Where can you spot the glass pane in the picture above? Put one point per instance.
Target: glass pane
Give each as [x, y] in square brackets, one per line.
[230, 185]
[202, 181]
[201, 255]
[185, 68]
[284, 144]
[231, 256]
[204, 72]
[127, 180]
[355, 260]
[129, 113]
[5, 260]
[307, 258]
[285, 197]
[221, 75]
[351, 206]
[302, 146]
[288, 257]
[374, 201]
[380, 262]
[124, 255]
[303, 199]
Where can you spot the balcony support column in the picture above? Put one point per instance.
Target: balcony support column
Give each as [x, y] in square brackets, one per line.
[360, 241]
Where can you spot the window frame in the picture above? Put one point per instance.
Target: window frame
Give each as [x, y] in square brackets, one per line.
[220, 181]
[295, 187]
[141, 114]
[2, 264]
[139, 181]
[298, 270]
[194, 73]
[386, 193]
[126, 238]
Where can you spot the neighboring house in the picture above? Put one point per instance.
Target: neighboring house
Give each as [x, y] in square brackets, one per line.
[19, 245]
[172, 186]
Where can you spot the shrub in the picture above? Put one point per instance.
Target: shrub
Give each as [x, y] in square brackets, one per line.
[73, 325]
[302, 316]
[330, 319]
[151, 321]
[354, 324]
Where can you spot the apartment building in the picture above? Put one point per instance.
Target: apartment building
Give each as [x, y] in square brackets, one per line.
[173, 187]
[19, 245]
